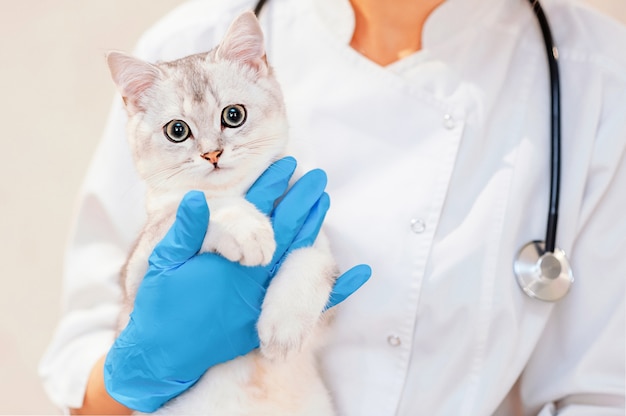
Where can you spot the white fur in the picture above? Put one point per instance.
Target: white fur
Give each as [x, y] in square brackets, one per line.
[281, 378]
[239, 232]
[253, 386]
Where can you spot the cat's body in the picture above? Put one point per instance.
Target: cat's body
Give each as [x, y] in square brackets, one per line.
[214, 122]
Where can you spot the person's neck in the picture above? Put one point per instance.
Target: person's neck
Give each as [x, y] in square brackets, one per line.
[387, 31]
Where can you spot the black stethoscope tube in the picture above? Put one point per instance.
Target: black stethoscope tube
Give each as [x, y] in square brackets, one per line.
[259, 7]
[555, 96]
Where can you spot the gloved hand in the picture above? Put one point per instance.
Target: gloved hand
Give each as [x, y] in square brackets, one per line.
[193, 311]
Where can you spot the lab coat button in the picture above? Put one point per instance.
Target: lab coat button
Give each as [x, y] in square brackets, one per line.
[394, 340]
[448, 122]
[418, 225]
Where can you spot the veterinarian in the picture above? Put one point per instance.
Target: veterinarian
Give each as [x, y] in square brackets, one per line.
[433, 122]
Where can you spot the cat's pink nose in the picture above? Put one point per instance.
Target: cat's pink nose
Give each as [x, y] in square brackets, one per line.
[213, 156]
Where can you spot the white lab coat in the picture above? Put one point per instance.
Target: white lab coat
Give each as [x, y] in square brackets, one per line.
[438, 173]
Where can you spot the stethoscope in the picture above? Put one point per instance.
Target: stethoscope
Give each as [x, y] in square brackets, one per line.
[542, 270]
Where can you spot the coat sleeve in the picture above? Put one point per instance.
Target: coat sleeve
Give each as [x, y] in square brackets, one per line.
[109, 214]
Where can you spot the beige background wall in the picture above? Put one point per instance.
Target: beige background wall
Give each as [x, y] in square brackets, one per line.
[55, 92]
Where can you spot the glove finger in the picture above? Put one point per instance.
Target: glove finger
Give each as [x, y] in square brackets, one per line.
[272, 184]
[308, 233]
[185, 236]
[312, 225]
[348, 283]
[292, 211]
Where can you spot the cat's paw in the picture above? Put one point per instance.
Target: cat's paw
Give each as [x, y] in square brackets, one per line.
[241, 236]
[282, 334]
[294, 303]
[249, 243]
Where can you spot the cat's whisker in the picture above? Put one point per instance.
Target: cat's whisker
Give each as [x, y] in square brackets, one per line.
[256, 142]
[160, 177]
[163, 169]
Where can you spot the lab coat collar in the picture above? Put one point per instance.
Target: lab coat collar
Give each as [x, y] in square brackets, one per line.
[448, 22]
[454, 19]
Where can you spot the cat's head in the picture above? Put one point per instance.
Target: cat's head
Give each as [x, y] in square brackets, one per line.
[212, 121]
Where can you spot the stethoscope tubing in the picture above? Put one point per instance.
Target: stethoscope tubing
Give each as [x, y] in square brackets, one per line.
[555, 127]
[259, 7]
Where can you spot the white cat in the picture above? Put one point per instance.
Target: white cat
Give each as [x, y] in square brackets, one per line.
[214, 122]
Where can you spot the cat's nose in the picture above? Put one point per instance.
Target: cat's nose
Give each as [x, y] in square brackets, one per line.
[213, 156]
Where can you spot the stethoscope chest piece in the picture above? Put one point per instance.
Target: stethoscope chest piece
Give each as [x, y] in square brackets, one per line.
[543, 275]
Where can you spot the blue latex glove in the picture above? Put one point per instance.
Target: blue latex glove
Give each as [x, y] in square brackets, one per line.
[193, 311]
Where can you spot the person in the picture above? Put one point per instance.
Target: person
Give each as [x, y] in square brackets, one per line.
[431, 119]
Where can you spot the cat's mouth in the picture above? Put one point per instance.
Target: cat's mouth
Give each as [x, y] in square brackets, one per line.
[217, 167]
[219, 170]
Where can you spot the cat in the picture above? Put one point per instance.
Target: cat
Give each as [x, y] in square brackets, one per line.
[214, 122]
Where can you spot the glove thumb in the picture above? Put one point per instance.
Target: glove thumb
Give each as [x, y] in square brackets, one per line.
[348, 283]
[185, 236]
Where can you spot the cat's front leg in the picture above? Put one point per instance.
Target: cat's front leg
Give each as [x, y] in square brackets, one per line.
[295, 301]
[239, 232]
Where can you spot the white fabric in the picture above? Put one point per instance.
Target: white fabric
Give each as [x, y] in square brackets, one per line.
[438, 174]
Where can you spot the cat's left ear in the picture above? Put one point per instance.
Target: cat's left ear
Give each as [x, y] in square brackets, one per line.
[243, 43]
[133, 78]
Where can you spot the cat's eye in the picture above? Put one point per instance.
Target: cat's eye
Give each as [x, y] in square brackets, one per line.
[233, 116]
[177, 131]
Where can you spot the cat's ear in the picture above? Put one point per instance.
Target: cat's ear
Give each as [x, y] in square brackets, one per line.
[243, 43]
[133, 78]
